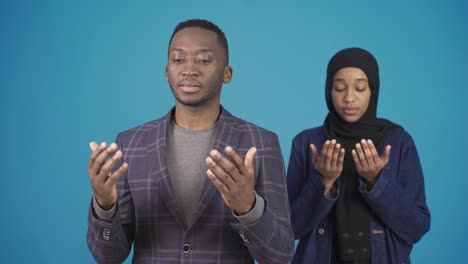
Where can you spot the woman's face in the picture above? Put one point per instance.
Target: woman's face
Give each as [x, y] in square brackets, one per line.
[350, 93]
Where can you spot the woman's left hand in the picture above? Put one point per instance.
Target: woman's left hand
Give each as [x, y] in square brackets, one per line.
[367, 161]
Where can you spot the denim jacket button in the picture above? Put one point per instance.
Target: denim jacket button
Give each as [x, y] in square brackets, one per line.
[321, 231]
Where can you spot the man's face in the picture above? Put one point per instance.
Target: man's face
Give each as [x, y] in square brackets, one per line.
[196, 68]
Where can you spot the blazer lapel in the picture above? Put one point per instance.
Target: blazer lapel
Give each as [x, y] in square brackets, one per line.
[225, 135]
[158, 166]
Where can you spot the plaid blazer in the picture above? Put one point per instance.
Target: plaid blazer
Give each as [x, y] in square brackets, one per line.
[148, 217]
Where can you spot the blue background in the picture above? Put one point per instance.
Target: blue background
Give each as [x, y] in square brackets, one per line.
[85, 70]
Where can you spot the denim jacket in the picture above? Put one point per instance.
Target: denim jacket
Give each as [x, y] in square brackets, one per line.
[399, 217]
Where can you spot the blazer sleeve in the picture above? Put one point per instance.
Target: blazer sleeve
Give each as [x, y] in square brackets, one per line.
[270, 239]
[110, 240]
[309, 206]
[398, 198]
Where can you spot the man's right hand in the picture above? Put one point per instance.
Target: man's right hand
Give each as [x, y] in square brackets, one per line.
[100, 173]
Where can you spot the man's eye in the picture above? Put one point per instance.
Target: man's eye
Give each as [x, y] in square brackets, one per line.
[177, 61]
[204, 61]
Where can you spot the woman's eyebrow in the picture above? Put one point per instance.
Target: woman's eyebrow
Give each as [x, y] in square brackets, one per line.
[360, 80]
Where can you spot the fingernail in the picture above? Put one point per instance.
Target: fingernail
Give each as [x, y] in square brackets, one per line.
[327, 142]
[363, 141]
[103, 145]
[338, 145]
[358, 145]
[209, 160]
[228, 149]
[113, 146]
[214, 153]
[333, 141]
[369, 141]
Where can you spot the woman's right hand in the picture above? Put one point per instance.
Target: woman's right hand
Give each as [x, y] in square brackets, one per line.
[329, 163]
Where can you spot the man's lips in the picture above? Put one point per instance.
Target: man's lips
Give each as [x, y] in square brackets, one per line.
[189, 86]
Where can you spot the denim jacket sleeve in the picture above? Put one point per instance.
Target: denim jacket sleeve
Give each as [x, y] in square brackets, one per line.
[398, 198]
[309, 206]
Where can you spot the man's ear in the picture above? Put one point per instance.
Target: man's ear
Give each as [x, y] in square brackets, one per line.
[227, 74]
[165, 75]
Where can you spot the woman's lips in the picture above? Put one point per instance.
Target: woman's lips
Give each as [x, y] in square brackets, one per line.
[350, 110]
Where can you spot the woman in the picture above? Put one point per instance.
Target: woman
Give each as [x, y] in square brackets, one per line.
[355, 184]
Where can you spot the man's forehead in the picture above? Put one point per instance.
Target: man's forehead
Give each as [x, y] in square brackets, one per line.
[194, 32]
[195, 38]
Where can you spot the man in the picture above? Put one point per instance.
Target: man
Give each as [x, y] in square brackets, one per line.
[198, 185]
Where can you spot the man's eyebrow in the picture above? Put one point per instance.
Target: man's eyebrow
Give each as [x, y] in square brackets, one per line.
[198, 50]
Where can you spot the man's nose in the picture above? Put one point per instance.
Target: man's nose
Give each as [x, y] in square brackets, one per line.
[190, 69]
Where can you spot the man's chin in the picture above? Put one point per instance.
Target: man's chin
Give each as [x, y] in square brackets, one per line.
[192, 102]
[195, 102]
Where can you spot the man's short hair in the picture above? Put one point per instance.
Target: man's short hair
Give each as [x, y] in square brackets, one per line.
[202, 23]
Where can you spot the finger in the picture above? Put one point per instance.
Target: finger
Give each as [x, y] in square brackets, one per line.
[336, 153]
[94, 153]
[329, 154]
[92, 159]
[217, 183]
[103, 156]
[220, 173]
[93, 146]
[367, 152]
[238, 162]
[340, 161]
[373, 151]
[386, 155]
[361, 156]
[116, 175]
[227, 166]
[106, 169]
[357, 162]
[314, 154]
[249, 160]
[323, 154]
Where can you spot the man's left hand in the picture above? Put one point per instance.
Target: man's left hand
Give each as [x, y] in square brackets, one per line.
[234, 179]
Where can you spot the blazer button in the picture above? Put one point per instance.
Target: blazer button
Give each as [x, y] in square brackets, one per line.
[321, 231]
[244, 237]
[106, 234]
[186, 248]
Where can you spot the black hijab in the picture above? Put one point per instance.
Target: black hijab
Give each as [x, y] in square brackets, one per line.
[352, 214]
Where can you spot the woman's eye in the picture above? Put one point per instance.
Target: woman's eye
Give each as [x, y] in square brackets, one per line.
[360, 89]
[339, 89]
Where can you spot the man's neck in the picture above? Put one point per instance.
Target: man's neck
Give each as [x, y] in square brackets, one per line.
[196, 118]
